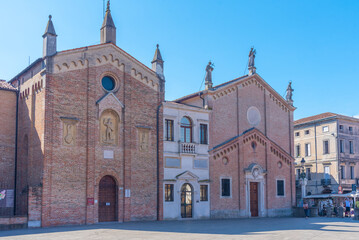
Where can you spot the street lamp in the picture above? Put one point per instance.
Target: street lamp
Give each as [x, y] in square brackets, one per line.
[303, 179]
[302, 174]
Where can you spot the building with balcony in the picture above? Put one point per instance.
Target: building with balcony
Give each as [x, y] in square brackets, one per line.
[329, 144]
[186, 162]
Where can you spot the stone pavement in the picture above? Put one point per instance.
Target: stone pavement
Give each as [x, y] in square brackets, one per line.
[254, 228]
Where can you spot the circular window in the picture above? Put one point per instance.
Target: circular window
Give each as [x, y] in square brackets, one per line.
[253, 116]
[108, 83]
[279, 164]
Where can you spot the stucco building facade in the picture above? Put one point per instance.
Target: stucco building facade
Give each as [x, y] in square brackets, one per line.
[186, 162]
[329, 144]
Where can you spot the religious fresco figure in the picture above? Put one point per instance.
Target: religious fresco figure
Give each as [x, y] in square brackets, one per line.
[108, 134]
[69, 137]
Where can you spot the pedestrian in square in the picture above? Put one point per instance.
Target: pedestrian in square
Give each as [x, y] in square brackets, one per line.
[306, 209]
[347, 207]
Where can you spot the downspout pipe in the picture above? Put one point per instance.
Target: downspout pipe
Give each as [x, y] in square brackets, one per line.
[158, 160]
[16, 137]
[203, 101]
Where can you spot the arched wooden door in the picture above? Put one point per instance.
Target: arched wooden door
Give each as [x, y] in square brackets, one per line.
[107, 208]
[186, 200]
[254, 198]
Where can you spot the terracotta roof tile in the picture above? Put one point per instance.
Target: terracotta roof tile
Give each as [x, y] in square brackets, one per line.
[316, 117]
[6, 85]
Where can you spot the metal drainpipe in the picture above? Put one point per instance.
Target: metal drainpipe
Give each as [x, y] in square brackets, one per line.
[158, 163]
[339, 172]
[316, 158]
[16, 133]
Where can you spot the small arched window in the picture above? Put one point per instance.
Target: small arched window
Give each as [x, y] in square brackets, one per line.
[186, 130]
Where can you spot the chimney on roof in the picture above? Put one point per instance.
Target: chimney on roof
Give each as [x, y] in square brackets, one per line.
[49, 40]
[108, 29]
[157, 63]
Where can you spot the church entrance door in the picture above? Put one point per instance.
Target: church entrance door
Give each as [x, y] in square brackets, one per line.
[254, 199]
[107, 209]
[186, 201]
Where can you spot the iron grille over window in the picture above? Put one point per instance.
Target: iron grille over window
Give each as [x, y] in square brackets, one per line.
[204, 193]
[203, 134]
[169, 192]
[169, 130]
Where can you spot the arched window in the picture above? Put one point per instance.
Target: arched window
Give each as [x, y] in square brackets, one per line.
[186, 130]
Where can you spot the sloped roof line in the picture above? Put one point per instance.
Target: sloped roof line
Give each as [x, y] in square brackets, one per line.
[114, 45]
[246, 132]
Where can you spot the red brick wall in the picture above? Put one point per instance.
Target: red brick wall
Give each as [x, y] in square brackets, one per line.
[7, 138]
[72, 173]
[229, 119]
[7, 143]
[30, 146]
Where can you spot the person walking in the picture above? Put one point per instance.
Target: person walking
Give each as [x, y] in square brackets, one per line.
[347, 207]
[306, 209]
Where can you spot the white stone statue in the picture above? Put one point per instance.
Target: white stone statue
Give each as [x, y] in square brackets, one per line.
[252, 55]
[208, 78]
[289, 95]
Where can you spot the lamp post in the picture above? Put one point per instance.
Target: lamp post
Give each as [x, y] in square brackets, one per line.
[303, 179]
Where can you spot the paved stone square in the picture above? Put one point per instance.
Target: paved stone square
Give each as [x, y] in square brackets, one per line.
[260, 228]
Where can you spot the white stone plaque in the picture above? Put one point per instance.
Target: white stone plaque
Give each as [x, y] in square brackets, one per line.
[128, 193]
[108, 154]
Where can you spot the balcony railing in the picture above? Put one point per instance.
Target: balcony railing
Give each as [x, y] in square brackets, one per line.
[325, 182]
[187, 147]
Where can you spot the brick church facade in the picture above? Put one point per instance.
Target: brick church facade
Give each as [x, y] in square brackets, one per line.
[87, 124]
[84, 139]
[250, 148]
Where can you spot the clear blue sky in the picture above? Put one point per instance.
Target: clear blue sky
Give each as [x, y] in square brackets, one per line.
[315, 44]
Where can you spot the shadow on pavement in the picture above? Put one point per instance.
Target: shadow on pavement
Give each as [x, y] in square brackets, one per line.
[224, 227]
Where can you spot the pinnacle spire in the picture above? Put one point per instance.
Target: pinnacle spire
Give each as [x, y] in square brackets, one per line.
[157, 57]
[108, 21]
[50, 27]
[108, 29]
[157, 63]
[49, 40]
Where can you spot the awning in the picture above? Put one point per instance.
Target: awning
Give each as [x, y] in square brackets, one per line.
[333, 195]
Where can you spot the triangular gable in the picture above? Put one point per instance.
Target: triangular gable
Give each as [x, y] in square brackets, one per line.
[110, 101]
[107, 96]
[187, 175]
[247, 137]
[230, 87]
[108, 53]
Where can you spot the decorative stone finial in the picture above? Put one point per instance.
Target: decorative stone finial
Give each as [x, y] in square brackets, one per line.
[108, 6]
[50, 17]
[157, 45]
